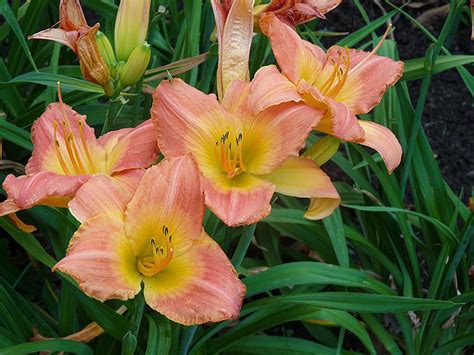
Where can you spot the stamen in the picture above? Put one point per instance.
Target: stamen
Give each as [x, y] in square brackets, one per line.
[58, 150]
[376, 48]
[86, 147]
[162, 255]
[231, 155]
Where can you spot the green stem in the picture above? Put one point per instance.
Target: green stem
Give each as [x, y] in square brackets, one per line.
[129, 342]
[136, 102]
[115, 106]
[187, 339]
[244, 243]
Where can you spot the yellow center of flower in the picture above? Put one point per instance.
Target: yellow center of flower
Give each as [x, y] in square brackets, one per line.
[160, 254]
[229, 153]
[74, 157]
[335, 82]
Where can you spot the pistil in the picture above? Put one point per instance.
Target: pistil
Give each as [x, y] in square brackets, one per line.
[230, 156]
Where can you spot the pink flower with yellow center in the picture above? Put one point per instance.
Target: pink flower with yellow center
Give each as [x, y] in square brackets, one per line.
[247, 147]
[66, 154]
[152, 236]
[341, 83]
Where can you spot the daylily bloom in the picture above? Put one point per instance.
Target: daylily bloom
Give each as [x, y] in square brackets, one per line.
[153, 236]
[297, 12]
[247, 147]
[66, 154]
[75, 33]
[342, 83]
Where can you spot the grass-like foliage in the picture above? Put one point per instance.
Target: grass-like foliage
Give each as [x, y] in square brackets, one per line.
[388, 272]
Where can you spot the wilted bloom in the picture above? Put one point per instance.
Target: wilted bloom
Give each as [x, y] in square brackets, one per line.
[234, 23]
[296, 12]
[341, 83]
[75, 33]
[66, 154]
[246, 148]
[153, 236]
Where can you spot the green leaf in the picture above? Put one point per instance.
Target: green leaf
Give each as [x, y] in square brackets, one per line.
[7, 12]
[311, 273]
[48, 346]
[159, 335]
[49, 79]
[335, 228]
[16, 135]
[415, 68]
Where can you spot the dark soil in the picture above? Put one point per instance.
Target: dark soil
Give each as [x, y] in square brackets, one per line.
[448, 118]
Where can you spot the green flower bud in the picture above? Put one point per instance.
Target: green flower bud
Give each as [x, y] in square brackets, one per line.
[136, 65]
[131, 26]
[323, 150]
[105, 49]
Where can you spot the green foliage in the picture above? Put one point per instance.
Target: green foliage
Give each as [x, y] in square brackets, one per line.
[377, 275]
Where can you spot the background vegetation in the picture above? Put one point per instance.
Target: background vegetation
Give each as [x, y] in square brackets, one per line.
[389, 272]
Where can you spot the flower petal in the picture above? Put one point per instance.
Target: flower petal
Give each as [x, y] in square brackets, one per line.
[187, 120]
[366, 84]
[338, 120]
[198, 287]
[244, 199]
[103, 194]
[44, 188]
[383, 141]
[170, 194]
[130, 148]
[71, 15]
[61, 121]
[320, 208]
[235, 37]
[276, 133]
[269, 87]
[8, 206]
[324, 6]
[100, 259]
[297, 58]
[301, 177]
[57, 35]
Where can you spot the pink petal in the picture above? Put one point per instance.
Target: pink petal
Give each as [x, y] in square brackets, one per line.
[276, 133]
[269, 87]
[338, 120]
[383, 141]
[130, 148]
[244, 199]
[45, 156]
[235, 37]
[301, 177]
[44, 188]
[297, 58]
[187, 120]
[71, 15]
[103, 194]
[324, 6]
[100, 259]
[198, 287]
[366, 85]
[8, 206]
[170, 194]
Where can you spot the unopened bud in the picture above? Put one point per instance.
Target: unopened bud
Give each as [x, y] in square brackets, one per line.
[93, 67]
[323, 150]
[131, 26]
[136, 65]
[105, 49]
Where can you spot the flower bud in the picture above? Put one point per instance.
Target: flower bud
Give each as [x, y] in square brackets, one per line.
[105, 49]
[131, 26]
[136, 65]
[93, 67]
[323, 150]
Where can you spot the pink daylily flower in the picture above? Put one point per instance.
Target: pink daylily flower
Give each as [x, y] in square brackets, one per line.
[297, 12]
[342, 83]
[66, 154]
[247, 147]
[152, 235]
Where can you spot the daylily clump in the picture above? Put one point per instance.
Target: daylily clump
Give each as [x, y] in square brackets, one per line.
[152, 235]
[341, 84]
[247, 147]
[66, 154]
